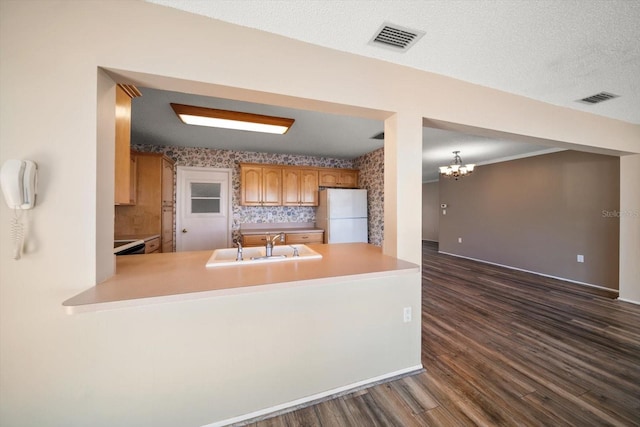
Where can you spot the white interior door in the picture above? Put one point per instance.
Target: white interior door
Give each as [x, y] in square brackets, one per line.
[203, 211]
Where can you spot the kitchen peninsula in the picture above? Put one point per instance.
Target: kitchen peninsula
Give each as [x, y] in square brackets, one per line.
[165, 277]
[320, 327]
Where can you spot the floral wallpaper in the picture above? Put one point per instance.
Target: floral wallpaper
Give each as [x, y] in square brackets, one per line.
[371, 177]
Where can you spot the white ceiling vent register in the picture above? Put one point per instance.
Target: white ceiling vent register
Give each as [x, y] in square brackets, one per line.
[597, 98]
[395, 37]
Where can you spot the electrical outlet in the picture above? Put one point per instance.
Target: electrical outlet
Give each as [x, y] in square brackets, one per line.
[580, 258]
[459, 239]
[406, 314]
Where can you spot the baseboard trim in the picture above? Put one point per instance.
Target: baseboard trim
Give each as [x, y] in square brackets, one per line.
[534, 272]
[317, 398]
[630, 301]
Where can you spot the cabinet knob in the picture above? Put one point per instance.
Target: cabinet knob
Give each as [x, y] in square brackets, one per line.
[184, 230]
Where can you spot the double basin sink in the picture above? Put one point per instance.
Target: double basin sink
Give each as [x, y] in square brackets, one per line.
[256, 255]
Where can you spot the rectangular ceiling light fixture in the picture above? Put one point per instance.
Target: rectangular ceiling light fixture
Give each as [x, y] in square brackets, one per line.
[225, 119]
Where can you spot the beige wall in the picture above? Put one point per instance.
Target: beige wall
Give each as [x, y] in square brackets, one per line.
[538, 214]
[630, 228]
[56, 107]
[430, 211]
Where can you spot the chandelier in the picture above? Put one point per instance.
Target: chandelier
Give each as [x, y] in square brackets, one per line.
[456, 169]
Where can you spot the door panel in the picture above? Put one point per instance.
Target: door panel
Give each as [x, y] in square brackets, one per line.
[203, 209]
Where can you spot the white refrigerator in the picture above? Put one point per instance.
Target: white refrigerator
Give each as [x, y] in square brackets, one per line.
[342, 214]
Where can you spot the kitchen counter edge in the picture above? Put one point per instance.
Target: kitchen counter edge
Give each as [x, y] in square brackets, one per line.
[169, 277]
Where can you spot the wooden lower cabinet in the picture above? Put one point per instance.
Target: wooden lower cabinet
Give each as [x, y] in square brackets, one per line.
[259, 240]
[152, 246]
[296, 238]
[286, 239]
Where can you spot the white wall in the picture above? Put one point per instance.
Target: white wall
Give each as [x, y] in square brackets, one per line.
[55, 109]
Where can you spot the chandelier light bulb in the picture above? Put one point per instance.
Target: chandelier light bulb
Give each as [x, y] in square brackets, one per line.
[456, 169]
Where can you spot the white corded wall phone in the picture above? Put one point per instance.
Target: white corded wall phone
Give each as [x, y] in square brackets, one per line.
[18, 179]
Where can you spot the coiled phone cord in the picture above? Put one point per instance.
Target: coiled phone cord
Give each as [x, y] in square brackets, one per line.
[17, 233]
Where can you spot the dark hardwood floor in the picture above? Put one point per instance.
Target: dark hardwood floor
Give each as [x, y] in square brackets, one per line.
[503, 348]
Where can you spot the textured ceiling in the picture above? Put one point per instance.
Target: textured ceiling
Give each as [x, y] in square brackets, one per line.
[557, 51]
[554, 51]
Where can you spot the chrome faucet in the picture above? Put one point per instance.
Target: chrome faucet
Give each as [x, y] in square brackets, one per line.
[239, 256]
[271, 241]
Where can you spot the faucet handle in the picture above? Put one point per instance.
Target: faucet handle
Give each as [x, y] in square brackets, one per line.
[239, 254]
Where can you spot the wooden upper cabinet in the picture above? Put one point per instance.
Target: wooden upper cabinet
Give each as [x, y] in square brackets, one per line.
[123, 172]
[300, 187]
[271, 186]
[250, 185]
[284, 185]
[339, 178]
[260, 185]
[123, 147]
[308, 187]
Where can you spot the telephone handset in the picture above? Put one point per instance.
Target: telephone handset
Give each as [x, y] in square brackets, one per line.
[18, 180]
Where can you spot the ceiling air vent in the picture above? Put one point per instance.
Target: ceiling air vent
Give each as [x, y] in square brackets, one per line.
[597, 98]
[395, 37]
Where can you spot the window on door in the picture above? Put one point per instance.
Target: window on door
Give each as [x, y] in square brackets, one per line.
[205, 197]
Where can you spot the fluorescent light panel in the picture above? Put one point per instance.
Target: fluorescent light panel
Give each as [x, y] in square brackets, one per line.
[201, 116]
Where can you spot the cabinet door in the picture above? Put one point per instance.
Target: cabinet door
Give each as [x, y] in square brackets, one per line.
[123, 147]
[271, 186]
[291, 187]
[339, 178]
[152, 246]
[254, 240]
[167, 183]
[308, 187]
[349, 179]
[296, 238]
[250, 185]
[167, 229]
[329, 178]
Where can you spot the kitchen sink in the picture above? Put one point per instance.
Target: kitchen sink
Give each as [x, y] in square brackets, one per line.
[256, 255]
